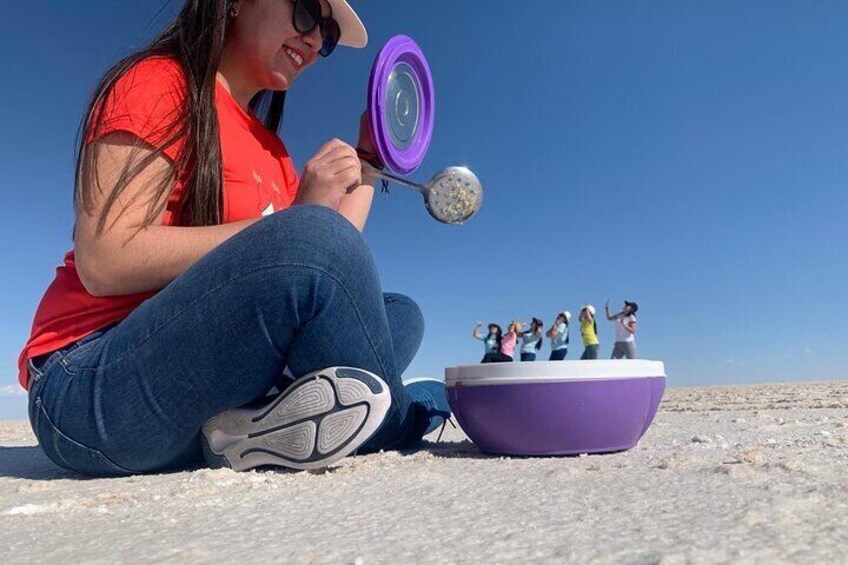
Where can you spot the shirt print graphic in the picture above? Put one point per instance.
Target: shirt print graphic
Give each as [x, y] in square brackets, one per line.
[270, 208]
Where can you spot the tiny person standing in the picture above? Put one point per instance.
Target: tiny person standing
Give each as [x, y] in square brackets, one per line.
[531, 340]
[491, 342]
[625, 330]
[589, 332]
[559, 336]
[510, 338]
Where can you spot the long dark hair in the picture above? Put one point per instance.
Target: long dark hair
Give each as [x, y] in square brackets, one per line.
[195, 40]
[498, 336]
[539, 324]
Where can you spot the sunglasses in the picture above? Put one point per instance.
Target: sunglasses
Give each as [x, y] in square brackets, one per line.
[307, 15]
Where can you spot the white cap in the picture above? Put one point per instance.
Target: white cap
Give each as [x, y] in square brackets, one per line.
[567, 315]
[353, 32]
[590, 308]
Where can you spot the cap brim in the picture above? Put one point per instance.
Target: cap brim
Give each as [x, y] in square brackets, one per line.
[353, 32]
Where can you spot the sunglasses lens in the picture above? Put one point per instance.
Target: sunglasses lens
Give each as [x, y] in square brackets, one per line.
[330, 34]
[306, 15]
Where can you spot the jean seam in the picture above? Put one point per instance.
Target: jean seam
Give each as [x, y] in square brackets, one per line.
[57, 433]
[242, 276]
[51, 361]
[63, 361]
[34, 374]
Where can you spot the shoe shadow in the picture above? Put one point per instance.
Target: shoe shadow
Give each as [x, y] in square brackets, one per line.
[29, 462]
[464, 449]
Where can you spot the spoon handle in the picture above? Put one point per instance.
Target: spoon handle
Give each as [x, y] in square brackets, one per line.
[400, 180]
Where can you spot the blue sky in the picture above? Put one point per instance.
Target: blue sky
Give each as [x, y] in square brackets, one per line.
[691, 156]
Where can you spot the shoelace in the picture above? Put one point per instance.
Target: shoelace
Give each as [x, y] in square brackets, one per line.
[429, 404]
[445, 422]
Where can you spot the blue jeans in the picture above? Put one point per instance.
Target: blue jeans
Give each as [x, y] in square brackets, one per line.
[298, 289]
[496, 357]
[528, 356]
[558, 354]
[590, 352]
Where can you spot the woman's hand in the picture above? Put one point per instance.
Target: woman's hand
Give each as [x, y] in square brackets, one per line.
[329, 175]
[607, 308]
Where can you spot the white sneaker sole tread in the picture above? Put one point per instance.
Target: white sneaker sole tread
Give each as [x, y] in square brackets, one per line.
[321, 418]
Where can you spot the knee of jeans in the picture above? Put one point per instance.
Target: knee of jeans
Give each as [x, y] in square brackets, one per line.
[413, 317]
[329, 233]
[320, 220]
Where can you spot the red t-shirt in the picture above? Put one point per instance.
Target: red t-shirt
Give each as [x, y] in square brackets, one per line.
[258, 178]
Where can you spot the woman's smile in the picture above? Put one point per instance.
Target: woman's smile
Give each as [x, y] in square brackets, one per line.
[296, 57]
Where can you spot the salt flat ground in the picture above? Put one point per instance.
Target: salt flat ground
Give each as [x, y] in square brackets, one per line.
[748, 474]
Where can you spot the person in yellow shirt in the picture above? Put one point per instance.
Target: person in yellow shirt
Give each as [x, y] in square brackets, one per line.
[589, 332]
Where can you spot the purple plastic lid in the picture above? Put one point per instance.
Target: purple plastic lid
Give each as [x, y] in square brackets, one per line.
[401, 105]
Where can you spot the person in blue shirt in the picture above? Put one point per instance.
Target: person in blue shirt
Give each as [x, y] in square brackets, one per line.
[559, 336]
[531, 340]
[491, 342]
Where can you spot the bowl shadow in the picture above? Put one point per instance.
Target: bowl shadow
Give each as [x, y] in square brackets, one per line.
[464, 449]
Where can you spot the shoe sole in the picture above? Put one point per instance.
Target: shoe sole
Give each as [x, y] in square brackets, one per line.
[321, 418]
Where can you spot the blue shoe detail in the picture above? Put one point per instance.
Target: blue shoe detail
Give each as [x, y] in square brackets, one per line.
[429, 404]
[362, 376]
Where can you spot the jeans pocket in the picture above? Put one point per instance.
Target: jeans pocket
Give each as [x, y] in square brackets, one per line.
[79, 358]
[69, 453]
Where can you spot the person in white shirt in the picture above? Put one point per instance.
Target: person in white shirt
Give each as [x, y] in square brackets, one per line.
[625, 330]
[559, 336]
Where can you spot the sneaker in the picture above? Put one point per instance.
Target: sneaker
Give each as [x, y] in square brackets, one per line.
[430, 407]
[321, 418]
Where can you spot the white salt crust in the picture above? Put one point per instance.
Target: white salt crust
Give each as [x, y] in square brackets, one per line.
[749, 474]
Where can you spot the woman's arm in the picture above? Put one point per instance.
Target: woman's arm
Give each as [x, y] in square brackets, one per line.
[607, 310]
[476, 332]
[356, 204]
[553, 332]
[126, 258]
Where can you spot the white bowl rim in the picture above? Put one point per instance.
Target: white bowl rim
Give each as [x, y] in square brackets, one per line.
[553, 371]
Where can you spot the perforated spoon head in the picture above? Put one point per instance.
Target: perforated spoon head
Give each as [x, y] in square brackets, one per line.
[453, 195]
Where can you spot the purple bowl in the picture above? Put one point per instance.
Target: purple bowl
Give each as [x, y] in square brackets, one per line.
[556, 407]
